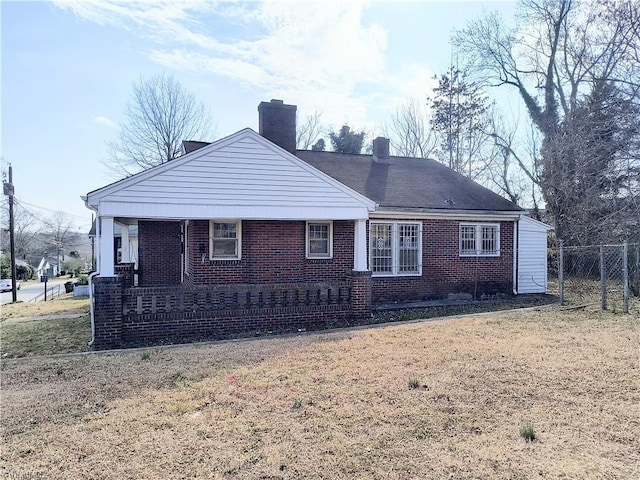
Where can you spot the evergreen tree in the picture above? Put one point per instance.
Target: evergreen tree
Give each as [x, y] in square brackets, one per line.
[460, 119]
[346, 140]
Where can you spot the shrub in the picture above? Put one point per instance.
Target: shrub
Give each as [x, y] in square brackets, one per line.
[83, 279]
[414, 383]
[528, 432]
[24, 272]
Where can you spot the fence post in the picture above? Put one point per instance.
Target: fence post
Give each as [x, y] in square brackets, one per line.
[625, 277]
[603, 278]
[561, 272]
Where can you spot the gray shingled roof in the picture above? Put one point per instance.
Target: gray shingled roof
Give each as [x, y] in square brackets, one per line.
[407, 183]
[192, 145]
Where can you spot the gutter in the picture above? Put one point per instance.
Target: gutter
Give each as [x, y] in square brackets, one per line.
[472, 215]
[93, 274]
[516, 254]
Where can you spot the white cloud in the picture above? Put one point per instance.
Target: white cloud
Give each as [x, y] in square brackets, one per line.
[316, 53]
[309, 50]
[105, 121]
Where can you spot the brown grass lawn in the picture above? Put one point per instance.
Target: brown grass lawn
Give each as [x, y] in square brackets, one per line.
[339, 405]
[44, 328]
[54, 307]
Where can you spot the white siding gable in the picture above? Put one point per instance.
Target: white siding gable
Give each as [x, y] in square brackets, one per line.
[532, 256]
[241, 176]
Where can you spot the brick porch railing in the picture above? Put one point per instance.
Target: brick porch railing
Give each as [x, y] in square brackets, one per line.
[146, 315]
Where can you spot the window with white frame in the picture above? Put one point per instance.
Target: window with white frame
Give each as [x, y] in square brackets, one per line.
[479, 240]
[395, 248]
[225, 240]
[319, 239]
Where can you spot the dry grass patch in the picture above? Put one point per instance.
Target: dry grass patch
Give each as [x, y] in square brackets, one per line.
[54, 307]
[341, 405]
[44, 337]
[45, 328]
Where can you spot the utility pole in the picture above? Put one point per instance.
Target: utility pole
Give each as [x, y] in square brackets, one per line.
[9, 191]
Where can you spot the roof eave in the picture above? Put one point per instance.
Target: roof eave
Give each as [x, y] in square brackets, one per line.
[404, 212]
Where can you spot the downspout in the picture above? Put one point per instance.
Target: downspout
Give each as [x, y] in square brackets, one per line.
[93, 323]
[515, 255]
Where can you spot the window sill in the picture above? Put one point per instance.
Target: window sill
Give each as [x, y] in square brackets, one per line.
[319, 259]
[224, 261]
[394, 275]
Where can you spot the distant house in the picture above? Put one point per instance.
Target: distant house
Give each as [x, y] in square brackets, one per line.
[47, 266]
[247, 234]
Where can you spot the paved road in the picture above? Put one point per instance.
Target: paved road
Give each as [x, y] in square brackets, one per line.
[32, 289]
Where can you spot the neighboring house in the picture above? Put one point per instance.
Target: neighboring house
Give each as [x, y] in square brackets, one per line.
[47, 266]
[246, 234]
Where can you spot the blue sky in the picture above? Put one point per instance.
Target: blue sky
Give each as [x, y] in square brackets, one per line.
[68, 67]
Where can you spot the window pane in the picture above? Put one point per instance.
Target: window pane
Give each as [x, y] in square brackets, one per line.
[489, 243]
[381, 254]
[318, 231]
[467, 239]
[224, 248]
[318, 247]
[408, 236]
[224, 230]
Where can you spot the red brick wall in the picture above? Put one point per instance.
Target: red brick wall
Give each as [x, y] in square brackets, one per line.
[272, 251]
[107, 312]
[159, 251]
[160, 328]
[444, 271]
[159, 314]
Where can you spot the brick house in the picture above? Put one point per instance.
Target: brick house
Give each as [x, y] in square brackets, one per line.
[247, 235]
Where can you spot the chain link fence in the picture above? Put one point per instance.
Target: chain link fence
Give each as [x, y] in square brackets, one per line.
[608, 275]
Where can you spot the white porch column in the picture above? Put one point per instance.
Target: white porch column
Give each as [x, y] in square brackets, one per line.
[106, 260]
[126, 255]
[360, 246]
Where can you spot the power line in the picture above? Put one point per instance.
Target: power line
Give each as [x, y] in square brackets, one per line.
[47, 221]
[52, 210]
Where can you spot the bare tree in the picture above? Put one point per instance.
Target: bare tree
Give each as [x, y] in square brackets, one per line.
[574, 65]
[510, 164]
[309, 131]
[57, 235]
[25, 230]
[409, 131]
[160, 115]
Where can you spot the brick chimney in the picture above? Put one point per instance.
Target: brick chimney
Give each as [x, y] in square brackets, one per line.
[381, 150]
[277, 122]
